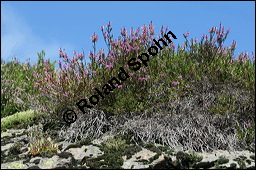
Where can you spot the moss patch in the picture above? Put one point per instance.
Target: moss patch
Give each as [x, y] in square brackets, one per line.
[18, 120]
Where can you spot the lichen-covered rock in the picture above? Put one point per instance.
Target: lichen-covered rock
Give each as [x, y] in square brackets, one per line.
[55, 162]
[92, 151]
[116, 153]
[14, 165]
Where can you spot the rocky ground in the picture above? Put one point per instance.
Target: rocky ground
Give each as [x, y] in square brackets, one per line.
[105, 153]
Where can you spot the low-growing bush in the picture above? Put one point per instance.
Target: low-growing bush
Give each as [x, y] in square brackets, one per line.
[44, 147]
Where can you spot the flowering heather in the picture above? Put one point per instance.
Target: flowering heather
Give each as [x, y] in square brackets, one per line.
[178, 71]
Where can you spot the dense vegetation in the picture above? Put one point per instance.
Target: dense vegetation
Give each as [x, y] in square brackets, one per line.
[199, 81]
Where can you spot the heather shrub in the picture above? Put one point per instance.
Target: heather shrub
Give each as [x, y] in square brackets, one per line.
[168, 72]
[17, 85]
[202, 77]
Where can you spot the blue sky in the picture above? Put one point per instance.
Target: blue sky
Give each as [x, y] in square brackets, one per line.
[29, 27]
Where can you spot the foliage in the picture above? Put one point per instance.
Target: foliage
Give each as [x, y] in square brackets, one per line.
[35, 132]
[176, 73]
[20, 119]
[222, 160]
[17, 85]
[44, 147]
[115, 143]
[246, 132]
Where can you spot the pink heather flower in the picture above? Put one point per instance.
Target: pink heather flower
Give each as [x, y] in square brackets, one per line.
[131, 74]
[105, 35]
[120, 87]
[116, 85]
[187, 34]
[108, 25]
[36, 86]
[123, 32]
[147, 77]
[206, 104]
[60, 64]
[117, 108]
[204, 36]
[197, 64]
[126, 67]
[144, 70]
[140, 78]
[132, 32]
[80, 56]
[248, 124]
[172, 46]
[64, 95]
[210, 30]
[94, 38]
[109, 66]
[175, 83]
[94, 72]
[162, 74]
[180, 77]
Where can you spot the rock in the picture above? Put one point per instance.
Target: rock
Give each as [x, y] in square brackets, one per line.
[55, 162]
[92, 151]
[16, 132]
[165, 162]
[36, 160]
[14, 165]
[24, 155]
[6, 134]
[22, 138]
[6, 148]
[134, 163]
[63, 145]
[64, 155]
[78, 153]
[34, 167]
[24, 149]
[204, 165]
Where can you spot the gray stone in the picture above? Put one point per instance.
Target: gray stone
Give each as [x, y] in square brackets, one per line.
[36, 160]
[6, 147]
[63, 145]
[134, 163]
[55, 162]
[14, 165]
[92, 151]
[78, 153]
[20, 138]
[64, 155]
